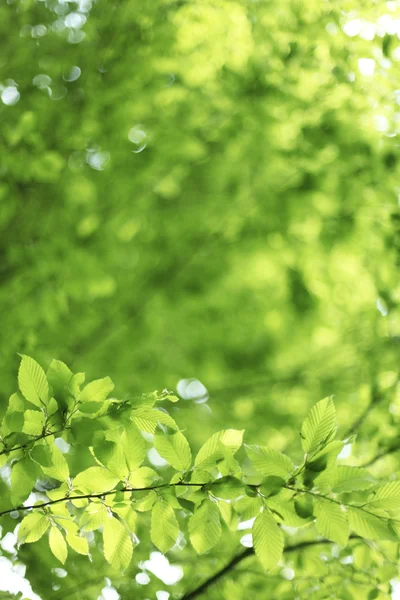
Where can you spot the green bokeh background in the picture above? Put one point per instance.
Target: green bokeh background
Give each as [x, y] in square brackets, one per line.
[213, 197]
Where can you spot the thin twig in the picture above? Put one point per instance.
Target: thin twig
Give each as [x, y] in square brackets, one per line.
[40, 437]
[99, 495]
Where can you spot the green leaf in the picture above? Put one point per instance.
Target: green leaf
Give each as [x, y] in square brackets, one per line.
[319, 425]
[96, 391]
[228, 515]
[227, 488]
[272, 485]
[58, 545]
[368, 525]
[386, 497]
[95, 479]
[269, 462]
[59, 377]
[332, 521]
[13, 419]
[304, 506]
[142, 477]
[23, 478]
[133, 446]
[78, 543]
[164, 526]
[32, 381]
[55, 465]
[205, 527]
[112, 456]
[174, 449]
[32, 528]
[34, 421]
[214, 447]
[117, 544]
[350, 479]
[147, 419]
[93, 517]
[267, 540]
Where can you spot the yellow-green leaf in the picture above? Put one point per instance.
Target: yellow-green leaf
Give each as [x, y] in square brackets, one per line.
[164, 526]
[332, 521]
[32, 381]
[32, 528]
[319, 425]
[267, 540]
[58, 545]
[205, 527]
[117, 544]
[95, 479]
[174, 449]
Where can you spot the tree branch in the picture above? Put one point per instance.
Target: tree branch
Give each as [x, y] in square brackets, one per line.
[40, 437]
[376, 397]
[239, 557]
[380, 455]
[99, 495]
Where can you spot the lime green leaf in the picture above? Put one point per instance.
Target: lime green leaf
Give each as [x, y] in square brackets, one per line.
[319, 425]
[133, 446]
[214, 447]
[127, 514]
[13, 419]
[117, 544]
[304, 506]
[95, 479]
[32, 381]
[146, 503]
[55, 465]
[58, 545]
[349, 479]
[205, 527]
[368, 525]
[59, 377]
[227, 488]
[96, 391]
[23, 478]
[78, 543]
[93, 517]
[174, 449]
[272, 485]
[289, 513]
[112, 456]
[267, 540]
[164, 526]
[32, 528]
[332, 521]
[228, 515]
[142, 477]
[269, 462]
[147, 419]
[34, 421]
[387, 497]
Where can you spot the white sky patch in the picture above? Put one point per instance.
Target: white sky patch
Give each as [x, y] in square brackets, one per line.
[246, 524]
[366, 66]
[346, 451]
[13, 581]
[160, 567]
[247, 540]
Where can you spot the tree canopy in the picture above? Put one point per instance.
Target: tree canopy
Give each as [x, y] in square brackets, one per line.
[200, 197]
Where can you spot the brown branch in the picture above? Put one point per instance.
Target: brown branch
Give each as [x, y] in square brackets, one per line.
[40, 437]
[99, 495]
[375, 399]
[201, 589]
[380, 455]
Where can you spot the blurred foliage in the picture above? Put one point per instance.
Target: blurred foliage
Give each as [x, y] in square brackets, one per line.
[205, 190]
